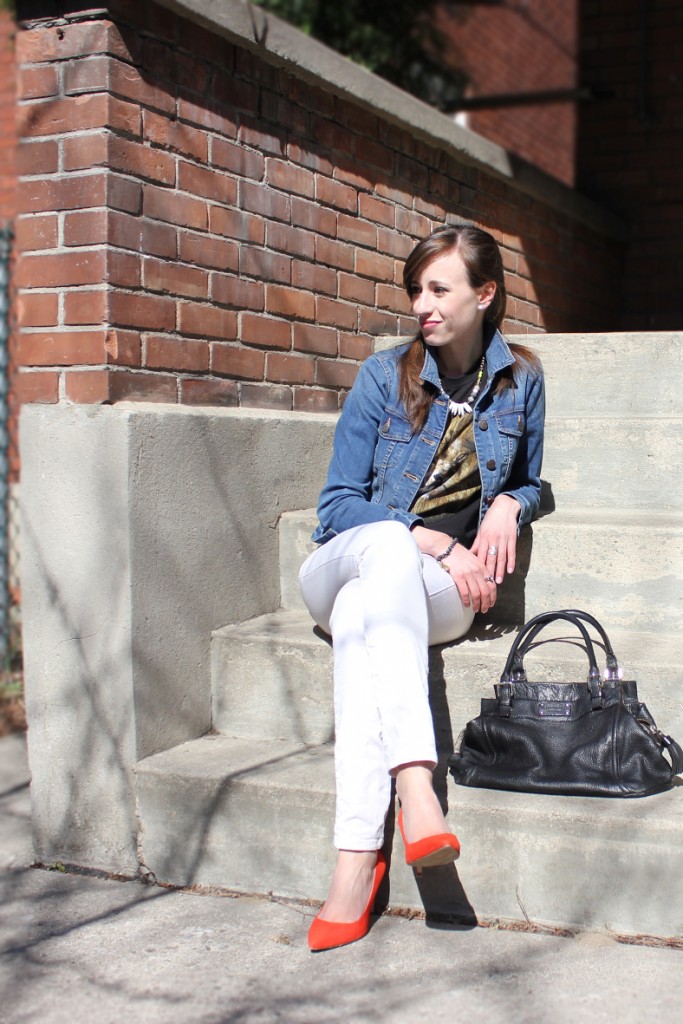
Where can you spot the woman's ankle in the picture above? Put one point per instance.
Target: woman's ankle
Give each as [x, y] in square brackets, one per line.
[350, 887]
[422, 811]
[414, 782]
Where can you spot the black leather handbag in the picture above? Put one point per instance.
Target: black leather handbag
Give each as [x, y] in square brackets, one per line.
[583, 739]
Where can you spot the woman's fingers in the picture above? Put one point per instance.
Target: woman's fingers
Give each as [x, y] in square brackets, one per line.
[500, 557]
[495, 559]
[511, 554]
[485, 595]
[476, 586]
[490, 595]
[496, 540]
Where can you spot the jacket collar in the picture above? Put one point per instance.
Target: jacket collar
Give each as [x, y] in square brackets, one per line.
[498, 357]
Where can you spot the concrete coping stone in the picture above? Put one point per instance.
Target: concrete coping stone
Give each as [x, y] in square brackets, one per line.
[280, 43]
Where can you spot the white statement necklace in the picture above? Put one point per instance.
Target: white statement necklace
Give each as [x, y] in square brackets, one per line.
[461, 408]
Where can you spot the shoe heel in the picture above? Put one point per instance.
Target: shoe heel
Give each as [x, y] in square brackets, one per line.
[431, 851]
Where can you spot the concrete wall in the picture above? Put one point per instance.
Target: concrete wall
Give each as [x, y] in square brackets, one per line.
[143, 530]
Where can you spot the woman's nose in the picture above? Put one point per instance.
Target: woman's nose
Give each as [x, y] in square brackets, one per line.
[420, 304]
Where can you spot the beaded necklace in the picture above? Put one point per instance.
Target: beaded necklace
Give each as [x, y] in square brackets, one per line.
[461, 408]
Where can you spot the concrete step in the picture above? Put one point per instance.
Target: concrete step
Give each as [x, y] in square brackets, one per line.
[272, 676]
[613, 463]
[250, 807]
[256, 816]
[608, 462]
[625, 567]
[618, 374]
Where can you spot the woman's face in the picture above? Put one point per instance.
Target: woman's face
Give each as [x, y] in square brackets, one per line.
[448, 309]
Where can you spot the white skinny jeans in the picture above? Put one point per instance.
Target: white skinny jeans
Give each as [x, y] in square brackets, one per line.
[383, 603]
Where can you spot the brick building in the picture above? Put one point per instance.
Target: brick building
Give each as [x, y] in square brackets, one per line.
[619, 143]
[514, 49]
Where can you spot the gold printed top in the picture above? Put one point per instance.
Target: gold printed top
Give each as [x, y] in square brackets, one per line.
[453, 478]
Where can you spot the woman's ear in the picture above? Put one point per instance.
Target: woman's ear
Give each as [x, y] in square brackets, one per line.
[486, 294]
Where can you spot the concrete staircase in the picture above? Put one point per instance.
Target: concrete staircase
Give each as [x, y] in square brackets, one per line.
[249, 806]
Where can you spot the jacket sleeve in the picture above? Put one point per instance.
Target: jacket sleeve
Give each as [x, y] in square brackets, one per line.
[345, 500]
[524, 482]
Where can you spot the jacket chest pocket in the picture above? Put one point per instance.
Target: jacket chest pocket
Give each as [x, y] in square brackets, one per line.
[511, 426]
[392, 439]
[394, 427]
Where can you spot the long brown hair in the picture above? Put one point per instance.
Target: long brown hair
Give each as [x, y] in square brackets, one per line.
[483, 261]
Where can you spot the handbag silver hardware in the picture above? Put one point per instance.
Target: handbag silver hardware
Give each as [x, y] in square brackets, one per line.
[554, 708]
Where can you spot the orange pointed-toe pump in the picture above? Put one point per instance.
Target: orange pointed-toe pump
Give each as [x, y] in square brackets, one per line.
[329, 934]
[431, 851]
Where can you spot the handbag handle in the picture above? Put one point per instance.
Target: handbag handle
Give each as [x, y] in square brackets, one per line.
[612, 671]
[514, 666]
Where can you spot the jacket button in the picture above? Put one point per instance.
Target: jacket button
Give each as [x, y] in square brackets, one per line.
[483, 424]
[491, 464]
[489, 499]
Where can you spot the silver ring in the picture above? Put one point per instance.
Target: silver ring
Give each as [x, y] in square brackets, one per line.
[489, 579]
[493, 550]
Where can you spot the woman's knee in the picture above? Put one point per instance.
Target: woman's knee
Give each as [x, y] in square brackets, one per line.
[393, 540]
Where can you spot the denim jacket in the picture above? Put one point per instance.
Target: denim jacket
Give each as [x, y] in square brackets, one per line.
[378, 463]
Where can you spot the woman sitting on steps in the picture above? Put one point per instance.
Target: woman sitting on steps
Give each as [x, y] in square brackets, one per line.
[436, 465]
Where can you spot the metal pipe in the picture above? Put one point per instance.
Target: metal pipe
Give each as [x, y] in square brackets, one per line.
[518, 99]
[5, 250]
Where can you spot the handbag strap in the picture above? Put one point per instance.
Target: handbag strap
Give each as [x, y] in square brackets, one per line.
[514, 666]
[675, 753]
[613, 669]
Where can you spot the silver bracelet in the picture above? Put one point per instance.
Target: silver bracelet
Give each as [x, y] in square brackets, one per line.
[446, 553]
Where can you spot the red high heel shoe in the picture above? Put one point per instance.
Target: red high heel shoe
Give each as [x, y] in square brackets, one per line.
[328, 934]
[443, 848]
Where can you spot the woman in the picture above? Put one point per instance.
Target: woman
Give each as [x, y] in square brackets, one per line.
[436, 465]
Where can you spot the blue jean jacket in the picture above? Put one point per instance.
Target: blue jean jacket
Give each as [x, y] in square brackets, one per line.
[378, 464]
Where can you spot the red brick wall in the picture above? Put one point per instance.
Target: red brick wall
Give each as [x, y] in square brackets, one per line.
[631, 146]
[199, 226]
[8, 139]
[519, 46]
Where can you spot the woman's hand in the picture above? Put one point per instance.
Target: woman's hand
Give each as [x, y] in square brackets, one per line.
[475, 584]
[496, 542]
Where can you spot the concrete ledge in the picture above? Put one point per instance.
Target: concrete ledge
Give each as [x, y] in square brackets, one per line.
[272, 676]
[144, 528]
[251, 815]
[279, 43]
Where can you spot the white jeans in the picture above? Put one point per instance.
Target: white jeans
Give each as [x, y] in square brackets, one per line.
[383, 603]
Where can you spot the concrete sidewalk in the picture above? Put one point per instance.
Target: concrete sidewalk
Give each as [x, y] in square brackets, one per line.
[76, 948]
